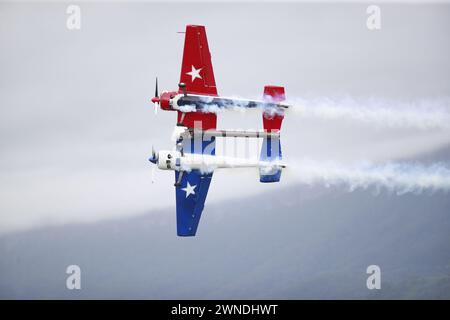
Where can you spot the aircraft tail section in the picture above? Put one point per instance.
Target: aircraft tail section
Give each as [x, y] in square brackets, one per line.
[271, 147]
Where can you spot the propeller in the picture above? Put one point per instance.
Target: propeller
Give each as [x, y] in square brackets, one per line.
[154, 157]
[153, 174]
[155, 99]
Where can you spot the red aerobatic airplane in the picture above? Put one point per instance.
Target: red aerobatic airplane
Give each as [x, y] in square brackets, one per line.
[196, 103]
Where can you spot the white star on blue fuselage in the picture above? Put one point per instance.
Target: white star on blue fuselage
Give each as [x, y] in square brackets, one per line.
[194, 73]
[189, 189]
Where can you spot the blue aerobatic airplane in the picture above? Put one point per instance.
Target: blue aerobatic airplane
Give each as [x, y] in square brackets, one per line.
[196, 102]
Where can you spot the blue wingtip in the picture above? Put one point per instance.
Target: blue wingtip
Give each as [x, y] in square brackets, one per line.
[185, 234]
[186, 230]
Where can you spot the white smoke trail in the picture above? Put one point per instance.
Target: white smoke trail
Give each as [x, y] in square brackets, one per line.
[396, 177]
[421, 114]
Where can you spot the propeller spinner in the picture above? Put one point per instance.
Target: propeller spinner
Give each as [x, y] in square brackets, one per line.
[156, 100]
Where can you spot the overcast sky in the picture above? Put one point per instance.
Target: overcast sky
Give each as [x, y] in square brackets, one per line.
[77, 126]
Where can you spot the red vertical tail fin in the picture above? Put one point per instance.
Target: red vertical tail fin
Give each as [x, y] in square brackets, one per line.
[272, 120]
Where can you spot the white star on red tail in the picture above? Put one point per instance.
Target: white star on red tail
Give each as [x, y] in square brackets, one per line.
[194, 73]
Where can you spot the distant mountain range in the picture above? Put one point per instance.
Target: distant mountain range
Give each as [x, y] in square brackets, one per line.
[300, 242]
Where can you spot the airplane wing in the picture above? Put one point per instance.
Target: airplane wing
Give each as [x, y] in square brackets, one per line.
[196, 70]
[191, 196]
[197, 73]
[191, 188]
